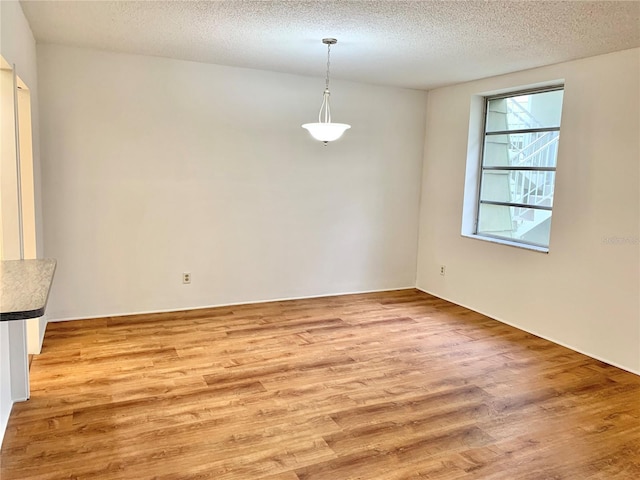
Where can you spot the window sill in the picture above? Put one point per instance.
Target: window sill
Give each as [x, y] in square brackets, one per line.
[509, 243]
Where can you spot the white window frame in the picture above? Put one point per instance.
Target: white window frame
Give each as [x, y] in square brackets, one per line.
[475, 154]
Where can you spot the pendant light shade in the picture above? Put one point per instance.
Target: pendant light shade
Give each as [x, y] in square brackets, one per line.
[325, 130]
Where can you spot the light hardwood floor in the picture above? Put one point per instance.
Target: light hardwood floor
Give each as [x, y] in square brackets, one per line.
[394, 385]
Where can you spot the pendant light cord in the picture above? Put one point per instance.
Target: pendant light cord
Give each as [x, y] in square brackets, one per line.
[324, 116]
[328, 65]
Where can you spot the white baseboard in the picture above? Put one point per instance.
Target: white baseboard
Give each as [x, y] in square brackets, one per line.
[538, 334]
[222, 305]
[284, 299]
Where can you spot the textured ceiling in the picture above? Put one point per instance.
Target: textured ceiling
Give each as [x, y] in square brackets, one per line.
[419, 44]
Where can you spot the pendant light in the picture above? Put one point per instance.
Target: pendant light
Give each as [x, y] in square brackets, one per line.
[325, 130]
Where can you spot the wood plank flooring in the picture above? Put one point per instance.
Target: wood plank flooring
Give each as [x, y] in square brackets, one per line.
[384, 386]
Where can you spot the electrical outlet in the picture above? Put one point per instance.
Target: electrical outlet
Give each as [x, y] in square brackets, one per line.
[186, 277]
[442, 270]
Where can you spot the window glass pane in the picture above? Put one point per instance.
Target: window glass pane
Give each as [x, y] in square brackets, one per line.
[533, 149]
[513, 223]
[533, 110]
[518, 186]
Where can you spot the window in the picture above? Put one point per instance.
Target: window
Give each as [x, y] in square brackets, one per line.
[518, 167]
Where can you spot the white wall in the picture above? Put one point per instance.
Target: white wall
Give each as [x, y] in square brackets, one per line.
[6, 402]
[153, 167]
[586, 292]
[18, 47]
